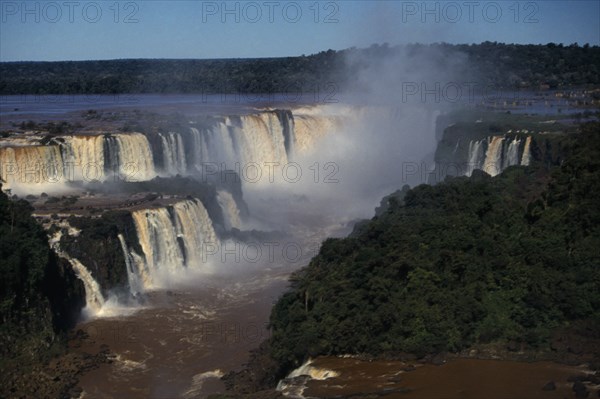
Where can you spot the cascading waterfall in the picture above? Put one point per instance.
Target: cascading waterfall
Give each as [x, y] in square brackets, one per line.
[194, 227]
[525, 159]
[475, 156]
[79, 158]
[286, 120]
[217, 145]
[295, 389]
[231, 212]
[133, 268]
[172, 239]
[262, 137]
[173, 151]
[134, 160]
[158, 240]
[83, 157]
[270, 136]
[512, 153]
[94, 300]
[31, 165]
[497, 153]
[309, 129]
[200, 144]
[493, 156]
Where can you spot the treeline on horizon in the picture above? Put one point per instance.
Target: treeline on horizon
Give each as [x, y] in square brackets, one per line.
[502, 65]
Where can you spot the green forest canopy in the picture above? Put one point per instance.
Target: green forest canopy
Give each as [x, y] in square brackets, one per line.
[502, 65]
[469, 261]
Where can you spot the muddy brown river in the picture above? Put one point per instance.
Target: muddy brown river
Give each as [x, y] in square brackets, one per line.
[182, 341]
[457, 379]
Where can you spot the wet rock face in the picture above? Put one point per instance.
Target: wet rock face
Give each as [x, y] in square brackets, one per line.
[260, 374]
[98, 247]
[580, 390]
[550, 386]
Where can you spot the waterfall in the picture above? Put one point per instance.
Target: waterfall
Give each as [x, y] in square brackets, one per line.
[158, 240]
[30, 165]
[309, 129]
[231, 212]
[200, 145]
[512, 153]
[94, 300]
[172, 239]
[261, 139]
[217, 145]
[133, 274]
[134, 161]
[500, 154]
[173, 151]
[286, 120]
[526, 158]
[269, 136]
[292, 387]
[493, 156]
[194, 226]
[475, 156]
[456, 146]
[83, 157]
[314, 372]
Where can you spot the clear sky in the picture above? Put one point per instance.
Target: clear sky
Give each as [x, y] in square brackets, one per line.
[82, 30]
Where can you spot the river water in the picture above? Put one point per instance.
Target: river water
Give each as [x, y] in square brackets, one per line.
[183, 340]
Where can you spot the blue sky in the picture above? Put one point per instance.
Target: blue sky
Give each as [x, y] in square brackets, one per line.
[81, 30]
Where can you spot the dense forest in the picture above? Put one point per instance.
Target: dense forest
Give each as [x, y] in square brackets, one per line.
[40, 297]
[501, 65]
[471, 261]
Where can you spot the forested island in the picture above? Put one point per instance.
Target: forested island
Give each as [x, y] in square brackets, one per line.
[506, 66]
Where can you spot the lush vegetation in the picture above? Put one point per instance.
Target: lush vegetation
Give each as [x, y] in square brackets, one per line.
[470, 261]
[39, 295]
[502, 65]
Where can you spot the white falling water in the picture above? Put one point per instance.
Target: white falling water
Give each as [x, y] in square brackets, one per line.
[456, 146]
[173, 151]
[172, 241]
[512, 153]
[218, 146]
[133, 268]
[259, 138]
[194, 226]
[262, 140]
[309, 129]
[83, 157]
[315, 373]
[295, 389]
[256, 138]
[94, 300]
[158, 240]
[201, 147]
[500, 154]
[525, 159]
[475, 156]
[231, 212]
[493, 156]
[135, 160]
[30, 166]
